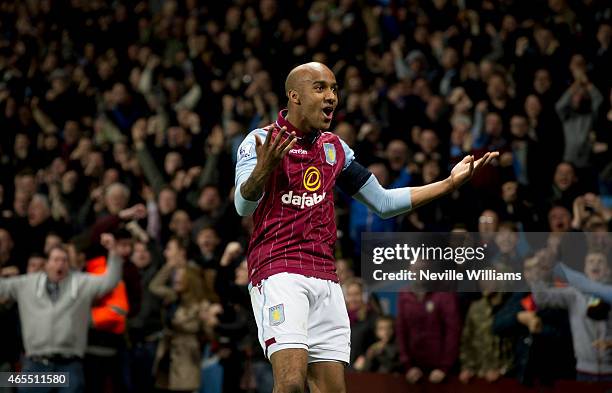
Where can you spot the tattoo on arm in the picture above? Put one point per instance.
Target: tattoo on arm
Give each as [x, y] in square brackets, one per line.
[252, 188]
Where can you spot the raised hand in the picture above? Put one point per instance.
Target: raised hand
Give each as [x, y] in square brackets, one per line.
[414, 375]
[521, 46]
[147, 194]
[137, 231]
[108, 241]
[9, 271]
[465, 376]
[270, 153]
[437, 376]
[464, 170]
[492, 375]
[232, 251]
[602, 344]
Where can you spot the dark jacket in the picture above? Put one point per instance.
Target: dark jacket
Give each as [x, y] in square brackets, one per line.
[147, 320]
[363, 324]
[546, 356]
[383, 360]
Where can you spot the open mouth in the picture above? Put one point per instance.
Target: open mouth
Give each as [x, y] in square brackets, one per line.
[328, 112]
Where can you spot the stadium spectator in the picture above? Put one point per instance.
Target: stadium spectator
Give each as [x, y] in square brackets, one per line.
[177, 360]
[428, 332]
[592, 362]
[144, 325]
[508, 256]
[541, 337]
[69, 295]
[362, 317]
[9, 264]
[382, 356]
[484, 354]
[36, 263]
[106, 343]
[577, 108]
[157, 97]
[9, 329]
[344, 270]
[236, 330]
[488, 224]
[517, 208]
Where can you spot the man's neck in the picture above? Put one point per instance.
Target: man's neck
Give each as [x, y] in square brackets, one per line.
[49, 280]
[298, 122]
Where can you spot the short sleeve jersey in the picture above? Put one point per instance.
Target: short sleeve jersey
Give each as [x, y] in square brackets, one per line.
[294, 223]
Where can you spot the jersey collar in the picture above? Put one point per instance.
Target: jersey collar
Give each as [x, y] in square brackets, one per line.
[281, 121]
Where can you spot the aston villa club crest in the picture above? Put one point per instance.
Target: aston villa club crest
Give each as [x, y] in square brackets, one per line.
[277, 315]
[330, 153]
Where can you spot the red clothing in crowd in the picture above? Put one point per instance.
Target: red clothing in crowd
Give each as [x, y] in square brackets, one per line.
[428, 330]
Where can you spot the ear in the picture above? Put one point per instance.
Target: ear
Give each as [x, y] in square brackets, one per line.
[294, 97]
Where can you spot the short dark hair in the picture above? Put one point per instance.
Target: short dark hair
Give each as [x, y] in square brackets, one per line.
[385, 318]
[183, 244]
[57, 247]
[122, 233]
[508, 225]
[167, 188]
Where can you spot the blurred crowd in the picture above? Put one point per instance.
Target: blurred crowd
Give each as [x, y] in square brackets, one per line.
[126, 116]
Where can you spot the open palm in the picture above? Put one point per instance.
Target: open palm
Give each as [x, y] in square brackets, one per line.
[464, 170]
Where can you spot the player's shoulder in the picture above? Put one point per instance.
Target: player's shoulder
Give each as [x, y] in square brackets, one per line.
[329, 136]
[261, 132]
[246, 149]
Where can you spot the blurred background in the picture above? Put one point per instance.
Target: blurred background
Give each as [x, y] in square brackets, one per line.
[126, 117]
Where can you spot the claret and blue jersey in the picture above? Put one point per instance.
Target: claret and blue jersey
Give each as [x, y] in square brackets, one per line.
[295, 228]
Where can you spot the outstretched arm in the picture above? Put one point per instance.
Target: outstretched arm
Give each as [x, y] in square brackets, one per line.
[389, 203]
[101, 285]
[551, 297]
[584, 284]
[460, 174]
[9, 287]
